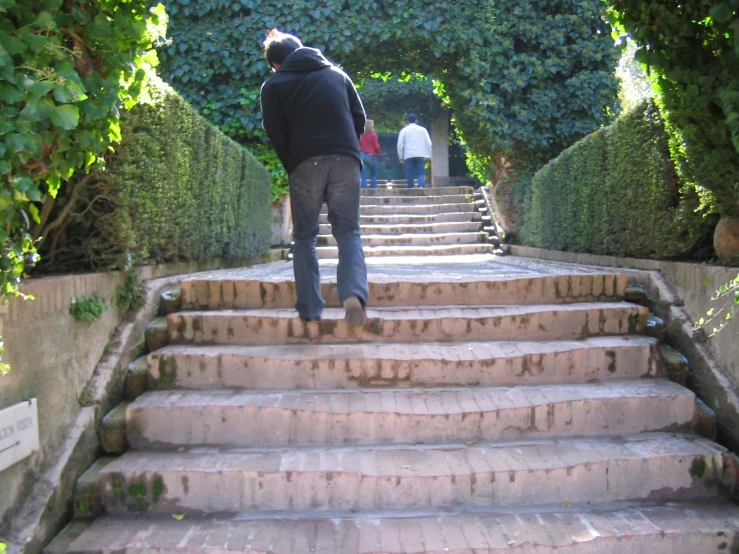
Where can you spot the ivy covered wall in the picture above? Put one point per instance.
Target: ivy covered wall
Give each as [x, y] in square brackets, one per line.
[532, 77]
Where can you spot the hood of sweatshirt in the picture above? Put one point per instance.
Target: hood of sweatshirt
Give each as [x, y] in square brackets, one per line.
[304, 60]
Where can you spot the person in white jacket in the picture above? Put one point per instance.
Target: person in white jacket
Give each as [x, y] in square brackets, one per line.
[414, 148]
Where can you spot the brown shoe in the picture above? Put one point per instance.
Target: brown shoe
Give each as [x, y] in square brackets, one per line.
[355, 314]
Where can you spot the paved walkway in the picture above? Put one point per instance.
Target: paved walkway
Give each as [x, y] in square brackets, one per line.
[475, 267]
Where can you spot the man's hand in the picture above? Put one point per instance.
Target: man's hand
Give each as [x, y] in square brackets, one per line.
[402, 160]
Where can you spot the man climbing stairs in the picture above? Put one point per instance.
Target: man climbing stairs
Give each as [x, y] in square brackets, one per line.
[489, 405]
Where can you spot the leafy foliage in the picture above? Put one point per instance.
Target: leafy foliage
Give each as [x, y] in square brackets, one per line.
[728, 294]
[86, 308]
[388, 99]
[65, 70]
[692, 50]
[616, 192]
[537, 75]
[131, 294]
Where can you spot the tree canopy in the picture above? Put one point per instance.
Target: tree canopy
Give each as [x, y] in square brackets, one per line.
[538, 76]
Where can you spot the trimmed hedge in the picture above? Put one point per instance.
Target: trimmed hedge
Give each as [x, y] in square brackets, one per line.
[616, 192]
[184, 189]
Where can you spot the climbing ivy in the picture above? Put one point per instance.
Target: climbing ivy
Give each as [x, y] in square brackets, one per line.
[692, 51]
[535, 75]
[66, 69]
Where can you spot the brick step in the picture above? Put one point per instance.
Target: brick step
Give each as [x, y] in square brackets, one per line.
[429, 324]
[425, 200]
[351, 366]
[403, 190]
[428, 239]
[169, 419]
[332, 252]
[407, 219]
[451, 227]
[228, 290]
[411, 209]
[593, 469]
[677, 528]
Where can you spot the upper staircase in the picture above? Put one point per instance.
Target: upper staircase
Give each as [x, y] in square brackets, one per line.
[489, 405]
[397, 221]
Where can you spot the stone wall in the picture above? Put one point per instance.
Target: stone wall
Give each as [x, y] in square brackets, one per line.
[54, 359]
[440, 149]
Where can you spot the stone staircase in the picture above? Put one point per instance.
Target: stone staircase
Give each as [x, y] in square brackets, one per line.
[397, 221]
[489, 405]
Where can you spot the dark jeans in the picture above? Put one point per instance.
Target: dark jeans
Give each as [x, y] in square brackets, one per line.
[335, 181]
[369, 169]
[414, 168]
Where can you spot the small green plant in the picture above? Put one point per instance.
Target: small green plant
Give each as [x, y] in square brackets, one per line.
[86, 308]
[729, 294]
[4, 370]
[131, 294]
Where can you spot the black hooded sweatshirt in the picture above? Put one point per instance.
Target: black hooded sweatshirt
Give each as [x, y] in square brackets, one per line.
[311, 108]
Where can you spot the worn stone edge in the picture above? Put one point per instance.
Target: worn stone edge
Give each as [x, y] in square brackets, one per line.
[48, 505]
[707, 379]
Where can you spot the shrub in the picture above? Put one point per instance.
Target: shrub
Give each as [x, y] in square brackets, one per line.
[691, 50]
[176, 188]
[86, 308]
[616, 192]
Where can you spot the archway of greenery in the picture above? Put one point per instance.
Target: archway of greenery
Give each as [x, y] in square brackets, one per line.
[532, 77]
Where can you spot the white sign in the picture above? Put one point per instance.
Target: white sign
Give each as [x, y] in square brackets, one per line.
[18, 432]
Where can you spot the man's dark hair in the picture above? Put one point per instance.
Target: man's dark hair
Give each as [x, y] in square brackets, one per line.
[411, 118]
[279, 45]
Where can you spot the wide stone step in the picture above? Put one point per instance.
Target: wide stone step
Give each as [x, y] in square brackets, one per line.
[349, 366]
[402, 190]
[412, 209]
[411, 219]
[678, 528]
[332, 252]
[228, 290]
[453, 227]
[397, 200]
[649, 465]
[437, 239]
[452, 323]
[168, 419]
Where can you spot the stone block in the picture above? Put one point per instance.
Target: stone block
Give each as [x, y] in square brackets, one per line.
[87, 505]
[136, 379]
[156, 333]
[676, 365]
[113, 431]
[170, 300]
[705, 420]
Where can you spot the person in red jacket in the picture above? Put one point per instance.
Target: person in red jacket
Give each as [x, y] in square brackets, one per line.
[369, 146]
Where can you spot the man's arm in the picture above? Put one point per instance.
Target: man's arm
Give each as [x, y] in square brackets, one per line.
[428, 142]
[274, 123]
[356, 107]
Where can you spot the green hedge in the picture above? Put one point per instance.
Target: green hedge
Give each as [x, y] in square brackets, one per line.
[184, 190]
[616, 192]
